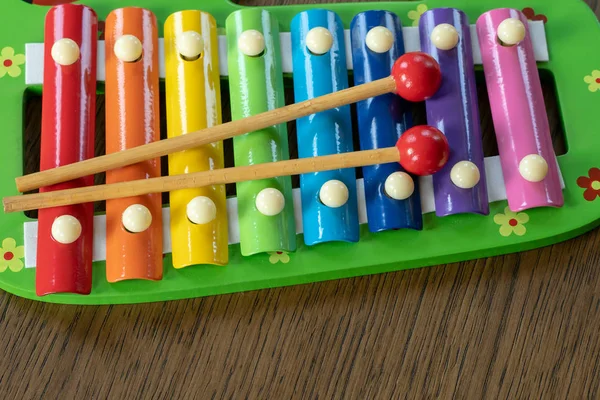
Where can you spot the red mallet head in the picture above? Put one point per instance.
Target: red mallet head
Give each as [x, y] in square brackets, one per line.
[417, 76]
[423, 150]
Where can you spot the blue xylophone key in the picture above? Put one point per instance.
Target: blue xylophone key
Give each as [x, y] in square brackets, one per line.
[377, 42]
[329, 200]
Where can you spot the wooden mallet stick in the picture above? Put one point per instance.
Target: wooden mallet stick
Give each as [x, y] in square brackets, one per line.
[415, 76]
[422, 150]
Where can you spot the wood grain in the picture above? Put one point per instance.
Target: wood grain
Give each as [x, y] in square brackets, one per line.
[524, 325]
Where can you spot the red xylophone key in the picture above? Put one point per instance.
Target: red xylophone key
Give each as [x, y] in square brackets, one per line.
[65, 234]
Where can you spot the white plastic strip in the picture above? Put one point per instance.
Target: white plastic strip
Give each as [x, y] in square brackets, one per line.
[495, 188]
[34, 52]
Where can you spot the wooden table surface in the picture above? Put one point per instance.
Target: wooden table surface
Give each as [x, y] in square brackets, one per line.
[516, 326]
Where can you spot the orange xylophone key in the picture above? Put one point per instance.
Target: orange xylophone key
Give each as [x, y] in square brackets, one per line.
[133, 224]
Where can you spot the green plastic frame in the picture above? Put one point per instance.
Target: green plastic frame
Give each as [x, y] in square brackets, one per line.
[573, 39]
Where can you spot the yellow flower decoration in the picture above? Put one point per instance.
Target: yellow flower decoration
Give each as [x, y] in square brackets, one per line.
[415, 15]
[11, 255]
[593, 80]
[9, 62]
[277, 256]
[511, 222]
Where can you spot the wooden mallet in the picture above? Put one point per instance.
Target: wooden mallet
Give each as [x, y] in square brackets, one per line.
[415, 76]
[421, 150]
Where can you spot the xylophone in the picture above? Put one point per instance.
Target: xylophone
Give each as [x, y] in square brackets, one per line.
[336, 224]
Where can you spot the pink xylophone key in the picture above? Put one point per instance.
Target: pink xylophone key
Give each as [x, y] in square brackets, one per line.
[527, 157]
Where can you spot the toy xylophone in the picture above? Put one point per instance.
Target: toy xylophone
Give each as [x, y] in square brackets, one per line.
[338, 59]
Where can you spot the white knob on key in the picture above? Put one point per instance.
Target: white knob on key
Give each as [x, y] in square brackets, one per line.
[128, 48]
[465, 174]
[379, 39]
[66, 229]
[444, 36]
[251, 43]
[65, 52]
[319, 40]
[201, 210]
[511, 31]
[190, 45]
[136, 218]
[399, 185]
[334, 193]
[533, 168]
[270, 202]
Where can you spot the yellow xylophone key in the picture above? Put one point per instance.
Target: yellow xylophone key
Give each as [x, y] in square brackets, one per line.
[193, 102]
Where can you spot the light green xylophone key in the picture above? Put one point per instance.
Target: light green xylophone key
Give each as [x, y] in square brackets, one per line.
[256, 86]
